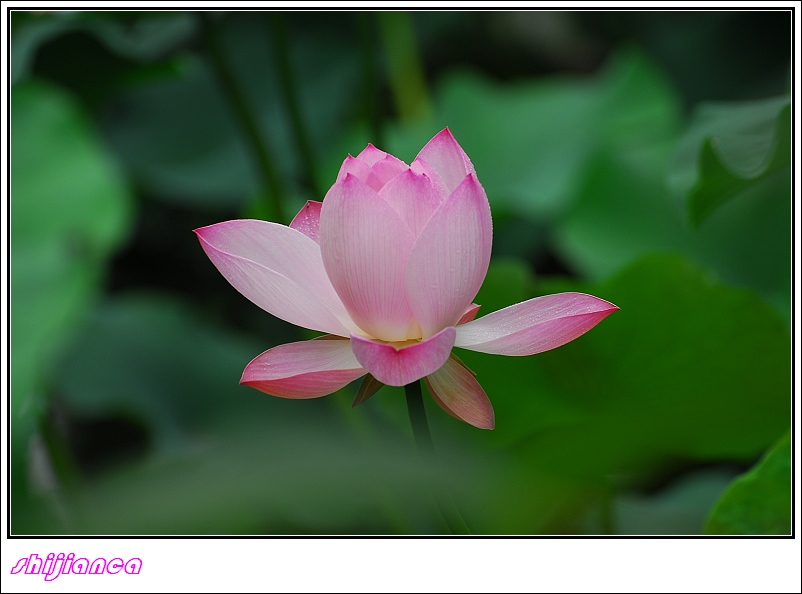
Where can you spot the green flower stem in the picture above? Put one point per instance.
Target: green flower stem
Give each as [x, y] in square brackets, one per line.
[367, 34]
[423, 439]
[245, 116]
[278, 28]
[417, 417]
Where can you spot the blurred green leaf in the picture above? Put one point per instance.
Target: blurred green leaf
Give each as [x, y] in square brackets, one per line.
[531, 140]
[141, 36]
[519, 498]
[64, 183]
[727, 148]
[758, 502]
[624, 211]
[156, 127]
[69, 209]
[266, 475]
[51, 291]
[30, 33]
[152, 358]
[689, 369]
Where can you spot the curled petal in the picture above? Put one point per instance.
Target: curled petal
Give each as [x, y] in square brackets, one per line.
[279, 269]
[413, 196]
[470, 314]
[307, 221]
[450, 257]
[423, 168]
[400, 366]
[303, 369]
[458, 393]
[365, 246]
[446, 156]
[534, 326]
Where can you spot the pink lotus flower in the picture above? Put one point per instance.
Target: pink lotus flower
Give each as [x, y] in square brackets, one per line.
[388, 265]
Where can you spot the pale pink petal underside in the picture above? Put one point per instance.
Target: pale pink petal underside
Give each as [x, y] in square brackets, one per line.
[470, 314]
[458, 393]
[534, 326]
[398, 367]
[307, 221]
[413, 196]
[445, 154]
[279, 269]
[423, 168]
[365, 246]
[450, 257]
[303, 369]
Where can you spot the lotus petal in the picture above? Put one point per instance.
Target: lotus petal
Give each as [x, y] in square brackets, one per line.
[361, 170]
[470, 314]
[307, 221]
[307, 369]
[279, 269]
[450, 257]
[444, 153]
[413, 196]
[365, 246]
[534, 326]
[455, 389]
[396, 366]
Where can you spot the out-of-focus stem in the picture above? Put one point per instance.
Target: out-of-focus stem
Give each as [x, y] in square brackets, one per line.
[60, 458]
[423, 439]
[406, 73]
[417, 418]
[245, 117]
[366, 22]
[278, 28]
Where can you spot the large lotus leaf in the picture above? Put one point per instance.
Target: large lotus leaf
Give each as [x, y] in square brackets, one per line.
[758, 502]
[624, 211]
[728, 148]
[70, 208]
[531, 140]
[64, 184]
[153, 359]
[689, 369]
